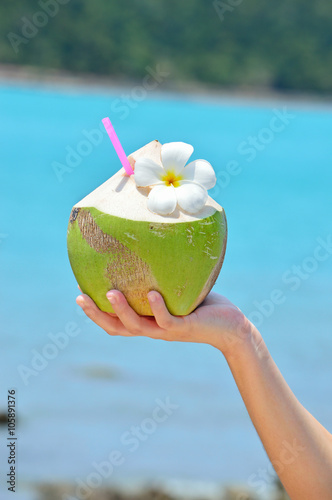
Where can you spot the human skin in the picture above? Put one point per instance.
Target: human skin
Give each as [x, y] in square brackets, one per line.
[298, 446]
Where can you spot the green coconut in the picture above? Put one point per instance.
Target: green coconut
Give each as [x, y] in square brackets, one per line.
[115, 242]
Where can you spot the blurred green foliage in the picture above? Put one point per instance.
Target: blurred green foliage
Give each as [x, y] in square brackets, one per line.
[284, 45]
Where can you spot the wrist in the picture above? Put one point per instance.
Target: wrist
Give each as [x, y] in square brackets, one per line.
[241, 342]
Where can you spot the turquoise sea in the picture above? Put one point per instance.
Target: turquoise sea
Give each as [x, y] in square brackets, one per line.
[274, 166]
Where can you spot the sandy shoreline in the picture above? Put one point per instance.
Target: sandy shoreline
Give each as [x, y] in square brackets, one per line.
[65, 491]
[43, 77]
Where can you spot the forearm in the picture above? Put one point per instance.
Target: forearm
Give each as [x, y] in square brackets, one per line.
[299, 447]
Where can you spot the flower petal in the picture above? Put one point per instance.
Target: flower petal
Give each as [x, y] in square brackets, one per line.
[200, 171]
[162, 199]
[147, 172]
[174, 155]
[191, 197]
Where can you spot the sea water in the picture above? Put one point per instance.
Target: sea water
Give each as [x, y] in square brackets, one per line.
[96, 394]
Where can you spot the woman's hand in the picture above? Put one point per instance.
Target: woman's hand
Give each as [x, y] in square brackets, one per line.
[293, 439]
[216, 321]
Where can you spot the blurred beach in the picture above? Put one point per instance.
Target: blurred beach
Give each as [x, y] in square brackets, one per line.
[81, 393]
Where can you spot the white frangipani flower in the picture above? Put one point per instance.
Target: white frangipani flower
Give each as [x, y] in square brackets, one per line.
[175, 182]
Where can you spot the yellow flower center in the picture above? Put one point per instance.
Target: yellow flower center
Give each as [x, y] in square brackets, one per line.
[171, 178]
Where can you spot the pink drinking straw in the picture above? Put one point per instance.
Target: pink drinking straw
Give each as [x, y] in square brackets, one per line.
[117, 146]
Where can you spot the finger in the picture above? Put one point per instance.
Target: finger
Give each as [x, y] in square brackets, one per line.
[80, 289]
[163, 317]
[113, 315]
[133, 322]
[112, 325]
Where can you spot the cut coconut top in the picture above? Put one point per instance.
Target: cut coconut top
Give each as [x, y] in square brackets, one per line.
[120, 196]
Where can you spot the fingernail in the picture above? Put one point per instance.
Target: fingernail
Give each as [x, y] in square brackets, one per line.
[80, 300]
[152, 297]
[112, 298]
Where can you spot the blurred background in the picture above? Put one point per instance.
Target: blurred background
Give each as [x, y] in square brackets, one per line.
[249, 85]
